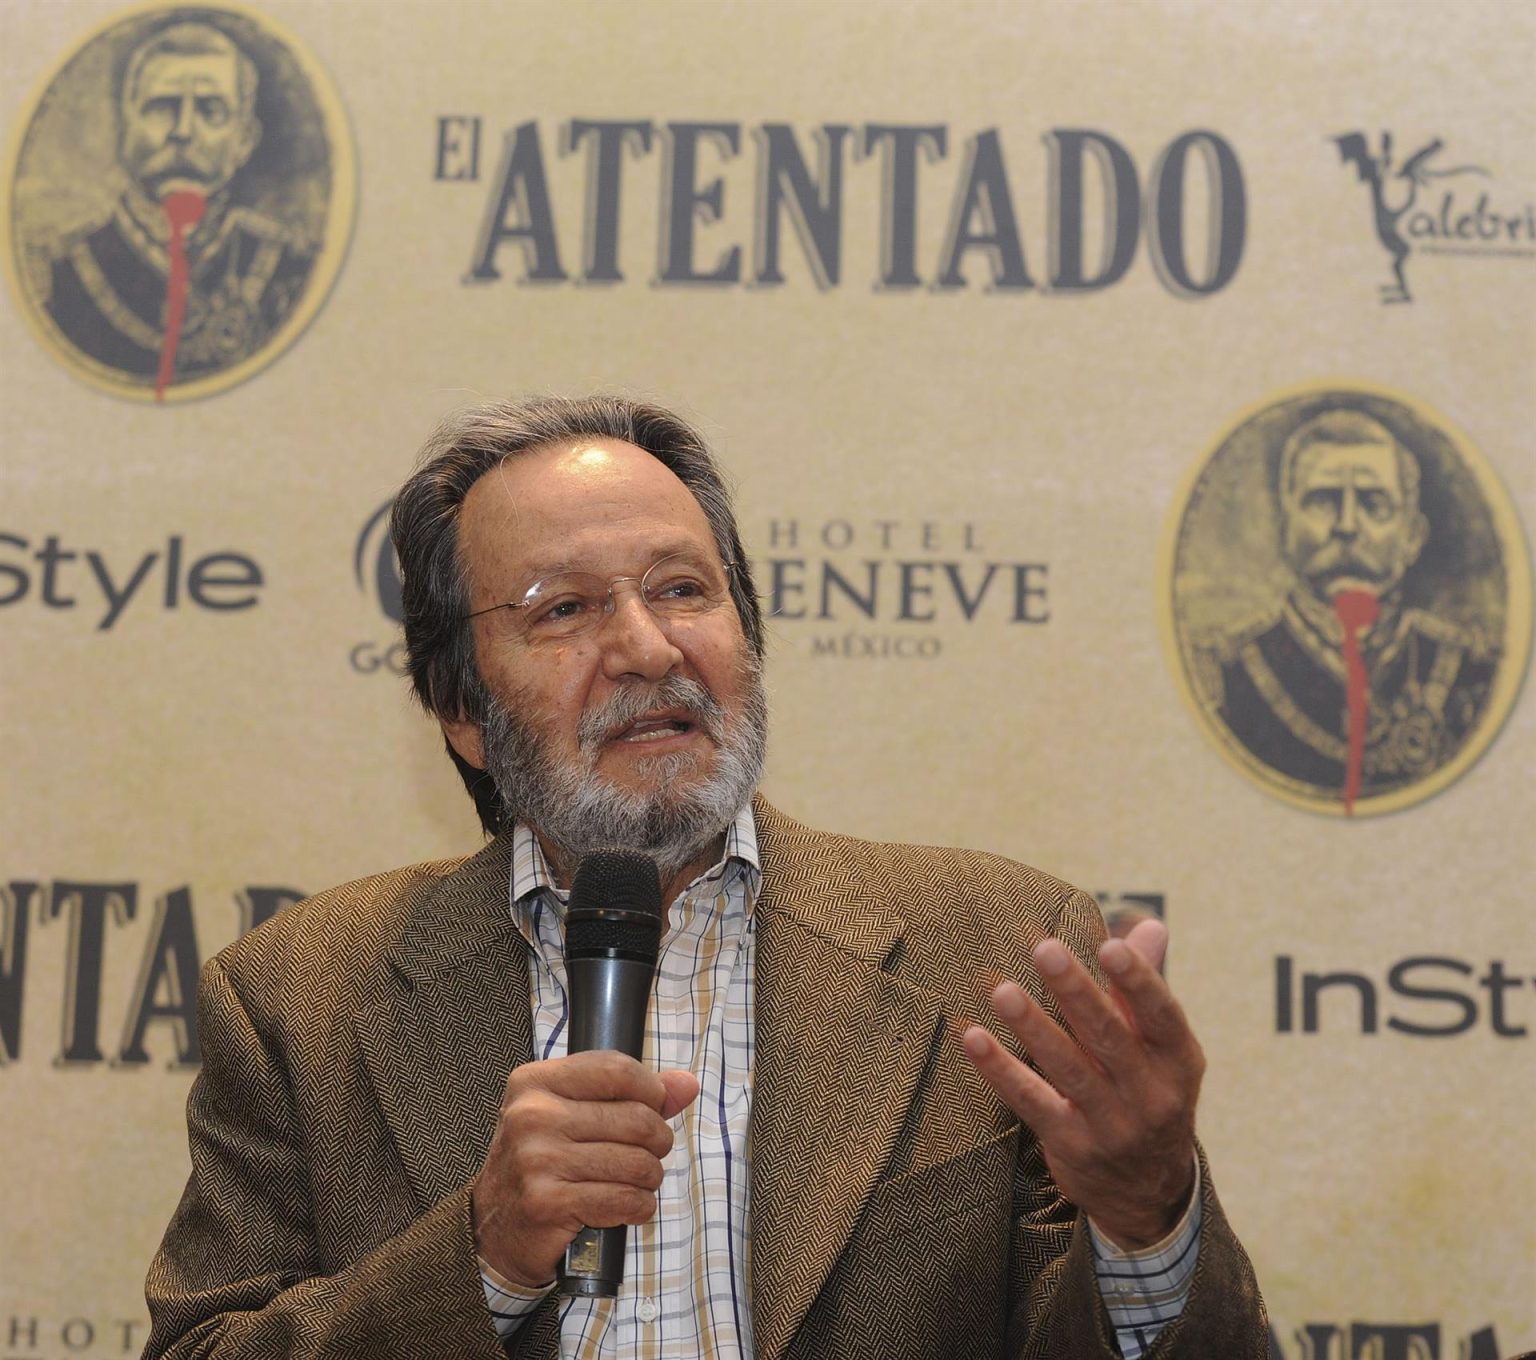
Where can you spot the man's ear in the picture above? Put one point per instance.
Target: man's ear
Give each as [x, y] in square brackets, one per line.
[464, 736]
[1418, 536]
[251, 139]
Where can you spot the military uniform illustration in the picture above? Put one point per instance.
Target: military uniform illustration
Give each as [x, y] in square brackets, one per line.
[179, 203]
[1281, 691]
[1348, 601]
[108, 286]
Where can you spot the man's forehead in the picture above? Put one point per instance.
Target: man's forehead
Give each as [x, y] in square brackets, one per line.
[205, 70]
[566, 504]
[1375, 462]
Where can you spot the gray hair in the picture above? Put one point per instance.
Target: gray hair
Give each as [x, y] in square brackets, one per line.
[1344, 426]
[424, 526]
[190, 39]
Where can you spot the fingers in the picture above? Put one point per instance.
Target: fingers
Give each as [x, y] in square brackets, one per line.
[558, 1208]
[598, 1075]
[1067, 1066]
[1112, 1035]
[611, 1164]
[580, 1141]
[1023, 1091]
[1107, 1045]
[543, 1114]
[1113, 1099]
[1132, 965]
[1150, 939]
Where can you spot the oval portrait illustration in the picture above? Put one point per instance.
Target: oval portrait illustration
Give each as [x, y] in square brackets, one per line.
[1347, 596]
[180, 194]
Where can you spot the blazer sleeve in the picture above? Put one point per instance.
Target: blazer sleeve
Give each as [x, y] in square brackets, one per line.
[238, 1273]
[1057, 1311]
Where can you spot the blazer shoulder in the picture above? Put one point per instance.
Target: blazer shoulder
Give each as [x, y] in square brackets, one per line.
[793, 844]
[345, 927]
[969, 895]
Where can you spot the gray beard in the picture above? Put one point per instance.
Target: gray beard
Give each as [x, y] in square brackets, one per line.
[674, 823]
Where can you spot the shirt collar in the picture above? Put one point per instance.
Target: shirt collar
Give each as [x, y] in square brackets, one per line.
[531, 873]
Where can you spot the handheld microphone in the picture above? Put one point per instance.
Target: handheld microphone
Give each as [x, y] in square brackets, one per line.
[612, 938]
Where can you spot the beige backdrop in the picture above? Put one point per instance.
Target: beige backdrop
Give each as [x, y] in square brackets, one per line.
[1376, 1178]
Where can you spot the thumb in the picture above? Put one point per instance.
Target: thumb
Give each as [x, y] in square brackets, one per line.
[682, 1087]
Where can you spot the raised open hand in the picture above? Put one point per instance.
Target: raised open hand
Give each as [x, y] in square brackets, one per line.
[1115, 1109]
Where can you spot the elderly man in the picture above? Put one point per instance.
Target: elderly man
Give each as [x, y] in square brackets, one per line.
[391, 1149]
[186, 126]
[1351, 525]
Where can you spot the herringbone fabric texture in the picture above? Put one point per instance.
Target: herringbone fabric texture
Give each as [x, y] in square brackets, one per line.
[355, 1051]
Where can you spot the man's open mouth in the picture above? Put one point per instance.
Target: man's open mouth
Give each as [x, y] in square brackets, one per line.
[654, 727]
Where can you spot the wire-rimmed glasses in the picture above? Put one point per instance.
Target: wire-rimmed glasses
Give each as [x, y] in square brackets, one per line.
[570, 603]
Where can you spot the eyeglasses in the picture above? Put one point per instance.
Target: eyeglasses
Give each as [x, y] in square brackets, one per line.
[571, 603]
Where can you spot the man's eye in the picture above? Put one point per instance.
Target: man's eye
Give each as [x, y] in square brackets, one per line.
[1322, 500]
[565, 609]
[161, 106]
[1377, 504]
[213, 111]
[677, 590]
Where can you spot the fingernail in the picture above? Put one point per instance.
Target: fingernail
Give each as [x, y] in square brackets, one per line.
[1051, 957]
[1009, 1002]
[1115, 955]
[975, 1041]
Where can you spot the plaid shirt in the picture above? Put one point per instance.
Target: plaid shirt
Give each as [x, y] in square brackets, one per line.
[684, 1292]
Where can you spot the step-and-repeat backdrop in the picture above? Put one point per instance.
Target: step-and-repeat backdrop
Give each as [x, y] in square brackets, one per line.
[1131, 409]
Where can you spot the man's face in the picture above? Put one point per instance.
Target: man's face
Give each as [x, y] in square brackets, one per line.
[1348, 525]
[640, 731]
[183, 124]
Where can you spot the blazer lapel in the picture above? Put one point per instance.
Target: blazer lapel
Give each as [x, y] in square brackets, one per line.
[452, 1020]
[840, 1047]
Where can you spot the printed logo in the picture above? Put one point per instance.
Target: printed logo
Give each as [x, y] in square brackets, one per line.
[178, 201]
[1347, 597]
[891, 589]
[56, 573]
[739, 202]
[1410, 215]
[377, 573]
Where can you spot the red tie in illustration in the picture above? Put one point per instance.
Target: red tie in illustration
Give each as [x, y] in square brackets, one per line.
[1357, 611]
[183, 210]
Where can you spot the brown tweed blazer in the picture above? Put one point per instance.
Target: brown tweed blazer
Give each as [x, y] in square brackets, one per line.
[354, 1053]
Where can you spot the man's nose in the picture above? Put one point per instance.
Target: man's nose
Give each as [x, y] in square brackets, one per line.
[633, 640]
[1349, 514]
[185, 111]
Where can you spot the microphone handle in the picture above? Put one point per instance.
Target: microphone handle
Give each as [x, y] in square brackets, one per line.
[610, 994]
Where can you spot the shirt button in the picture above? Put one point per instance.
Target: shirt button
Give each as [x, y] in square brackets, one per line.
[648, 1310]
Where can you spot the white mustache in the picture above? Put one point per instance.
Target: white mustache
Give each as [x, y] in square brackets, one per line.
[633, 702]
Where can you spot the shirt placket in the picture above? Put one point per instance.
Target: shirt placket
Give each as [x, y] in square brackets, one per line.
[683, 989]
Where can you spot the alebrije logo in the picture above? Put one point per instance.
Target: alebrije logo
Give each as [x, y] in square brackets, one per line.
[1410, 218]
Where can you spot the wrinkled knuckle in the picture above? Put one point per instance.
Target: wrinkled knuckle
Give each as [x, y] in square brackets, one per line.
[540, 1203]
[661, 1140]
[531, 1113]
[637, 1126]
[1068, 1081]
[1105, 1037]
[614, 1069]
[1167, 1111]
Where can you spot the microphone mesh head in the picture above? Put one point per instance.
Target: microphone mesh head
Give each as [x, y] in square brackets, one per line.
[615, 905]
[618, 880]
